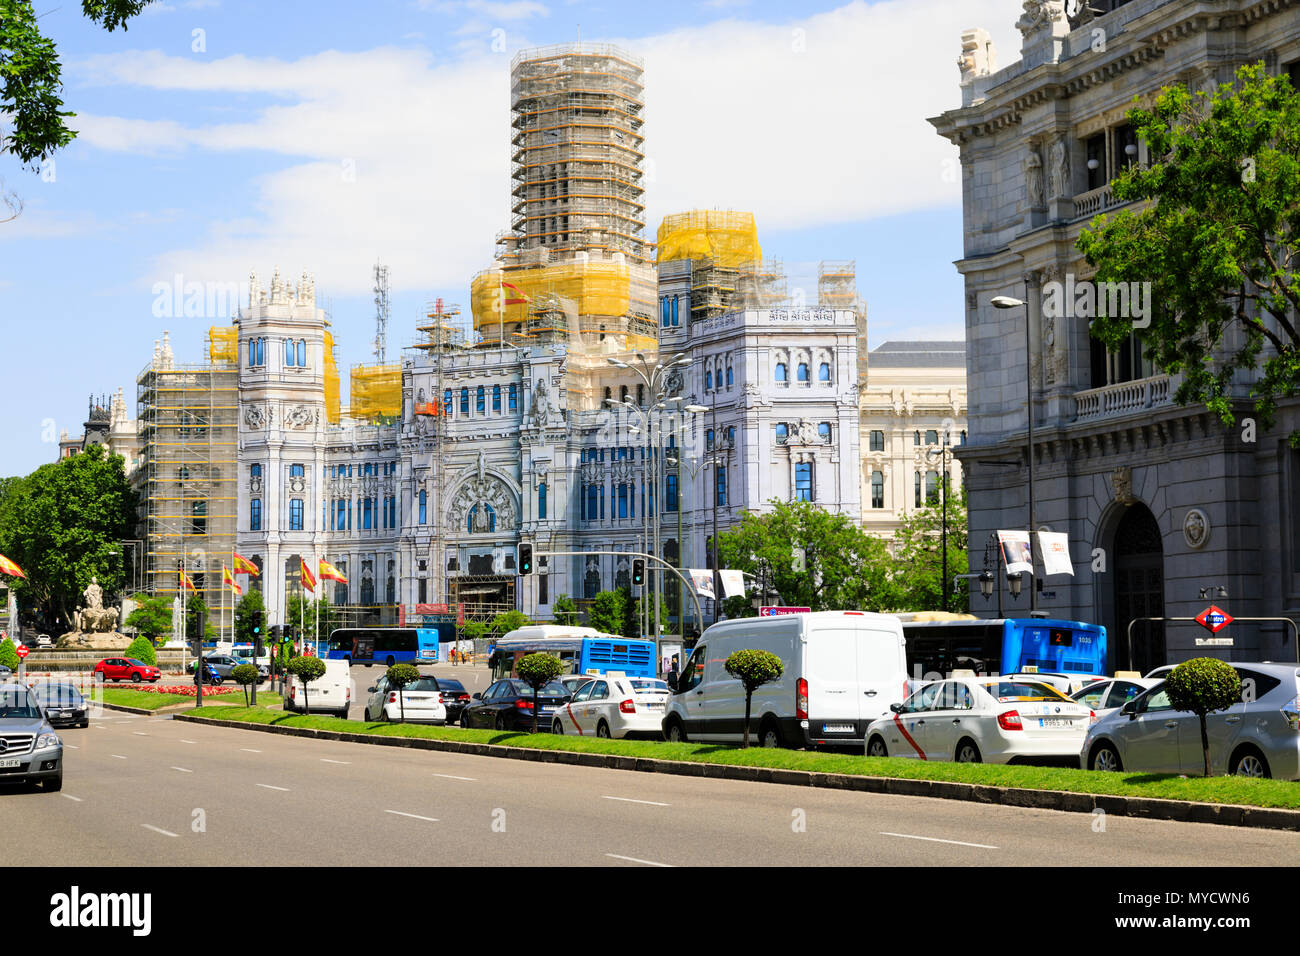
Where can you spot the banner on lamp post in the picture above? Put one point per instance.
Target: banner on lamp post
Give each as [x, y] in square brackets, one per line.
[1015, 551]
[702, 580]
[1055, 548]
[733, 583]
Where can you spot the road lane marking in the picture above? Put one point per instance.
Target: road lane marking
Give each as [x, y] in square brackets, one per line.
[71, 797]
[139, 733]
[248, 751]
[327, 760]
[632, 859]
[184, 741]
[653, 803]
[182, 770]
[118, 756]
[909, 836]
[72, 746]
[158, 830]
[414, 816]
[269, 787]
[452, 776]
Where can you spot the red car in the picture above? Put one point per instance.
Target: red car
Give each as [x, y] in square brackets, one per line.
[126, 668]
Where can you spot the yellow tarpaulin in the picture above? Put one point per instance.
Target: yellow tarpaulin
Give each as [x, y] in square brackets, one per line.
[376, 390]
[223, 343]
[729, 238]
[331, 382]
[595, 288]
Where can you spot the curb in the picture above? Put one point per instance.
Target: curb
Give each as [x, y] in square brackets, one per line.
[1149, 808]
[127, 710]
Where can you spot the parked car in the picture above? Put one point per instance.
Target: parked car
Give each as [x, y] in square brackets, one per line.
[1258, 737]
[33, 752]
[842, 670]
[454, 697]
[612, 706]
[331, 693]
[572, 682]
[1067, 684]
[420, 701]
[126, 668]
[63, 703]
[1106, 696]
[508, 705]
[223, 664]
[983, 719]
[44, 640]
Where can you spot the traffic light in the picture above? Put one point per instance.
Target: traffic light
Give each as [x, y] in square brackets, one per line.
[524, 564]
[638, 571]
[255, 620]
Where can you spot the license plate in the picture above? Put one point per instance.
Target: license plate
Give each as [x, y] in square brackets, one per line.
[10, 762]
[1055, 722]
[654, 706]
[837, 729]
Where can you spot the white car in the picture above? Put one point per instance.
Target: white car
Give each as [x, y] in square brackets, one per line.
[975, 719]
[612, 706]
[420, 702]
[1067, 684]
[1105, 697]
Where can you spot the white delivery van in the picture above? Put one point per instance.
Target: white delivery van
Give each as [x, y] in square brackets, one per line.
[331, 693]
[843, 669]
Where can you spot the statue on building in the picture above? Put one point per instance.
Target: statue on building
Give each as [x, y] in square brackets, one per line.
[1034, 178]
[1060, 168]
[977, 57]
[1039, 14]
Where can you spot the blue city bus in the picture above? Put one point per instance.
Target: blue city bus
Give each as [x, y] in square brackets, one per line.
[1005, 646]
[582, 650]
[389, 645]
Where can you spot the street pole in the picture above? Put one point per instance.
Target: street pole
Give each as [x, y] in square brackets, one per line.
[1029, 413]
[944, 489]
[713, 556]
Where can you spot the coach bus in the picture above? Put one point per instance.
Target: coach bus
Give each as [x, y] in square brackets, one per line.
[389, 645]
[582, 650]
[1002, 646]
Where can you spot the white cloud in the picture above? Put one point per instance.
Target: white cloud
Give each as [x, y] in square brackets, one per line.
[804, 129]
[496, 9]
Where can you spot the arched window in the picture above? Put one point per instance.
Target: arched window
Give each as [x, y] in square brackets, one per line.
[622, 394]
[708, 380]
[916, 439]
[367, 591]
[674, 311]
[729, 377]
[931, 437]
[823, 372]
[640, 395]
[664, 311]
[541, 501]
[932, 487]
[593, 505]
[472, 518]
[390, 592]
[464, 401]
[255, 470]
[496, 398]
[781, 372]
[802, 372]
[708, 438]
[296, 471]
[824, 432]
[480, 400]
[731, 435]
[782, 433]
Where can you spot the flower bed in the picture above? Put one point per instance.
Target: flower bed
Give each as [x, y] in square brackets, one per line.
[187, 690]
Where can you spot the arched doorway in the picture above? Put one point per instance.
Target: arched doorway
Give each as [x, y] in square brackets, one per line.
[1139, 569]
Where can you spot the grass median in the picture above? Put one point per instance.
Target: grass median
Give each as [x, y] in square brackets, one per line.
[1226, 790]
[152, 700]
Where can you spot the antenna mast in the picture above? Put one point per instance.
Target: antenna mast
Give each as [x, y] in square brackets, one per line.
[382, 304]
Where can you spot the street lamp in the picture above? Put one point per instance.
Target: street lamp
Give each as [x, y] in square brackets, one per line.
[943, 490]
[1006, 302]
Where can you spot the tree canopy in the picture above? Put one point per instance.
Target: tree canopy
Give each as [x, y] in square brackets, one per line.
[918, 547]
[152, 616]
[1218, 238]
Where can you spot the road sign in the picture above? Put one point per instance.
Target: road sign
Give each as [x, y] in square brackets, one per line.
[1214, 642]
[774, 611]
[22, 650]
[1213, 619]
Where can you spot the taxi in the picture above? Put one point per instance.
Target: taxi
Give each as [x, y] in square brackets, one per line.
[983, 719]
[614, 706]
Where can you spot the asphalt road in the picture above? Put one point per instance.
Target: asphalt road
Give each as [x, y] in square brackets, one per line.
[153, 791]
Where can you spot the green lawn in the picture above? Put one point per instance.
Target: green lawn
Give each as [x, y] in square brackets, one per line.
[1234, 790]
[148, 700]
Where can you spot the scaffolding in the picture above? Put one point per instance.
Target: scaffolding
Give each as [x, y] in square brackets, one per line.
[332, 389]
[375, 392]
[223, 344]
[188, 426]
[837, 284]
[725, 237]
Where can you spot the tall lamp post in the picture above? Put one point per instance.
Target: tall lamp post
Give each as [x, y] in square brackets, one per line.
[1006, 302]
[942, 451]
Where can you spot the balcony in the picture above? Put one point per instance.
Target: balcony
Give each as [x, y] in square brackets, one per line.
[1122, 399]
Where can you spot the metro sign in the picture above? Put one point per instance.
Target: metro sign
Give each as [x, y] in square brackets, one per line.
[1213, 619]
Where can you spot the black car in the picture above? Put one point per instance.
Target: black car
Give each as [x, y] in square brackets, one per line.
[454, 697]
[63, 704]
[508, 705]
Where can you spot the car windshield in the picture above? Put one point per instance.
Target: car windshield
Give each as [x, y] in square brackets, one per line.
[1007, 691]
[553, 689]
[649, 683]
[17, 704]
[132, 660]
[424, 683]
[57, 694]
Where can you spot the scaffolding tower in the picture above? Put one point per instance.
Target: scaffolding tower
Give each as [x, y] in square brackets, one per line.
[188, 422]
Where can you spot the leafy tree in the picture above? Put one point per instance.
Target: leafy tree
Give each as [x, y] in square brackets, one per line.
[399, 676]
[1202, 686]
[918, 547]
[301, 614]
[508, 621]
[249, 605]
[474, 630]
[1217, 237]
[738, 606]
[632, 615]
[844, 567]
[63, 524]
[565, 611]
[306, 669]
[246, 676]
[142, 649]
[8, 654]
[606, 612]
[152, 617]
[538, 670]
[197, 624]
[753, 669]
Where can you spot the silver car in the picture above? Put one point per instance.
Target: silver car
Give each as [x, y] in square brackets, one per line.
[1258, 737]
[30, 750]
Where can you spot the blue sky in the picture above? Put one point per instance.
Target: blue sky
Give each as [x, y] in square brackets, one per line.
[222, 136]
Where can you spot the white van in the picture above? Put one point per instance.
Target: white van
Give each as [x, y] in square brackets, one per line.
[331, 693]
[843, 669]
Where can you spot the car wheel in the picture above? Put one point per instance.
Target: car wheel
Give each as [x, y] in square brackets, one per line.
[557, 726]
[84, 723]
[135, 678]
[53, 784]
[675, 732]
[464, 720]
[876, 747]
[602, 729]
[500, 723]
[968, 752]
[1249, 762]
[367, 715]
[770, 735]
[1106, 759]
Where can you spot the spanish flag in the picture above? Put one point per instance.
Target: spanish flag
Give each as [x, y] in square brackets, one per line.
[308, 581]
[328, 570]
[11, 569]
[518, 298]
[228, 580]
[186, 583]
[244, 566]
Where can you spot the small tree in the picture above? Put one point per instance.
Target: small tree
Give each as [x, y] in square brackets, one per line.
[565, 611]
[306, 669]
[1202, 686]
[606, 614]
[8, 654]
[508, 621]
[399, 676]
[538, 670]
[753, 669]
[142, 649]
[152, 616]
[246, 675]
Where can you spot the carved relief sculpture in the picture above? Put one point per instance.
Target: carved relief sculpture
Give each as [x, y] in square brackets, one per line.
[1059, 171]
[1121, 479]
[1034, 178]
